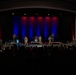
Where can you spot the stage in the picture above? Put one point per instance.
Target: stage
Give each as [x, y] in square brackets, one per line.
[36, 44]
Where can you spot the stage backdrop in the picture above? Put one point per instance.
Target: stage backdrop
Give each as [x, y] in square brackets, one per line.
[35, 26]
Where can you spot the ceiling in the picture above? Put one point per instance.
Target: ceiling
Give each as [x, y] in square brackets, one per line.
[67, 5]
[40, 0]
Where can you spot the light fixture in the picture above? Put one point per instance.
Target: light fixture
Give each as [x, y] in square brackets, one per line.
[48, 14]
[24, 13]
[13, 13]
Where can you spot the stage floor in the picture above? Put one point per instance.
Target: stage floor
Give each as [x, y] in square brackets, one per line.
[46, 44]
[34, 44]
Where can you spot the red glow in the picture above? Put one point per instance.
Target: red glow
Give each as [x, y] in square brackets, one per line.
[24, 19]
[39, 18]
[32, 18]
[47, 18]
[54, 18]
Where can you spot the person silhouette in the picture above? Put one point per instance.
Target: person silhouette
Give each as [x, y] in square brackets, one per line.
[40, 39]
[50, 39]
[25, 40]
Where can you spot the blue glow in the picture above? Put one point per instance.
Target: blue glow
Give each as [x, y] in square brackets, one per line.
[31, 32]
[45, 31]
[23, 30]
[38, 30]
[15, 31]
[54, 28]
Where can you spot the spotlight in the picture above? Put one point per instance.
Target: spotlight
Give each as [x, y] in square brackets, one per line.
[48, 14]
[24, 13]
[13, 13]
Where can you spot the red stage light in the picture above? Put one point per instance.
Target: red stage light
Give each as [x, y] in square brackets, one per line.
[24, 18]
[39, 18]
[54, 18]
[47, 18]
[32, 18]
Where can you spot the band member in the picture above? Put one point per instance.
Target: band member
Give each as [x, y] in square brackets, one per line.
[50, 39]
[25, 40]
[40, 39]
[14, 38]
[36, 39]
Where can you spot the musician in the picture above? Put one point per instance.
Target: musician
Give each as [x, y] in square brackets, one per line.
[50, 39]
[25, 40]
[14, 38]
[40, 39]
[36, 39]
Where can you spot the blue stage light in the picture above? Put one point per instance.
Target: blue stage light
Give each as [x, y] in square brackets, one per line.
[15, 30]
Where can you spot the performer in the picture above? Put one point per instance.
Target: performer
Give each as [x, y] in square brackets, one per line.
[40, 39]
[14, 38]
[25, 40]
[36, 39]
[50, 39]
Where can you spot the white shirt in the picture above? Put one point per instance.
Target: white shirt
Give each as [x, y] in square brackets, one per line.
[25, 39]
[40, 39]
[36, 40]
[49, 38]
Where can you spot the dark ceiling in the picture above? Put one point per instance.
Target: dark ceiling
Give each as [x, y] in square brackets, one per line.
[40, 0]
[67, 5]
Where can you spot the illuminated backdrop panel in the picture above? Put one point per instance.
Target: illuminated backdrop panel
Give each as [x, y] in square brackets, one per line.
[35, 26]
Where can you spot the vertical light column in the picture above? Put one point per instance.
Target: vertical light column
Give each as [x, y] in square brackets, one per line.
[54, 25]
[16, 26]
[39, 19]
[32, 20]
[23, 25]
